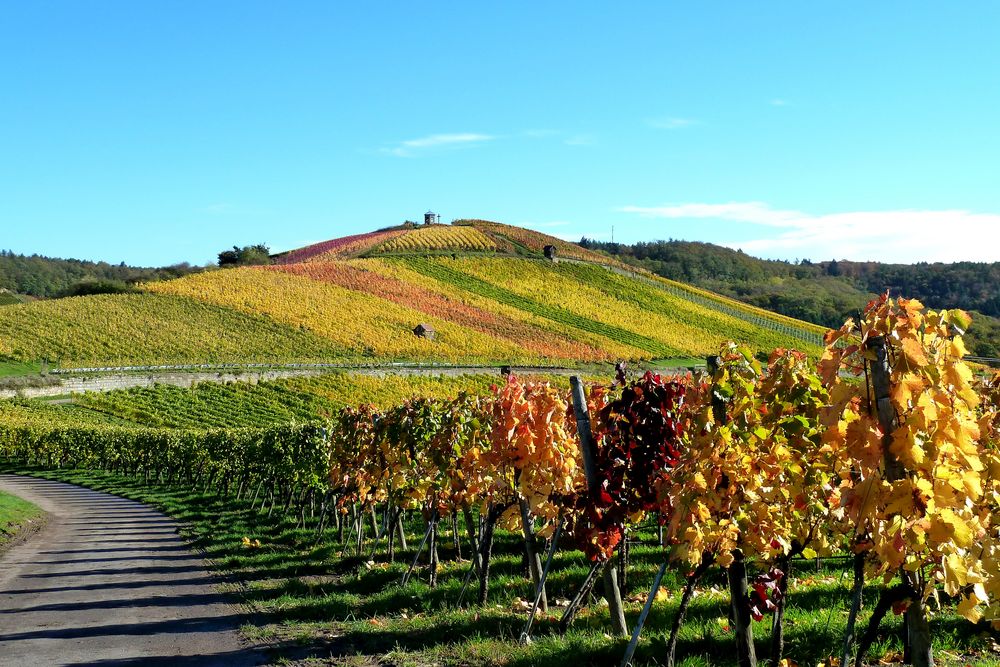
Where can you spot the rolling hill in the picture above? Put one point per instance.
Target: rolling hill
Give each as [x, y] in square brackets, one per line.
[824, 292]
[485, 289]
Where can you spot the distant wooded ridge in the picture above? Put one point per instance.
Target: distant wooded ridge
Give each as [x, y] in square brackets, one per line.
[48, 277]
[824, 292]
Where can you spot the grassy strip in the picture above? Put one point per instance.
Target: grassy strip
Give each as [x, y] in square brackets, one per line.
[320, 606]
[554, 313]
[10, 368]
[16, 515]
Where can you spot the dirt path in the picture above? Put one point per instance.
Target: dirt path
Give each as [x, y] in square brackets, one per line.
[109, 582]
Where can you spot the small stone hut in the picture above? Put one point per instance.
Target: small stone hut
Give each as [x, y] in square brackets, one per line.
[424, 331]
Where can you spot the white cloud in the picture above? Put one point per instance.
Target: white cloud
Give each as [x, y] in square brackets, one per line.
[410, 147]
[580, 140]
[672, 123]
[902, 236]
[778, 102]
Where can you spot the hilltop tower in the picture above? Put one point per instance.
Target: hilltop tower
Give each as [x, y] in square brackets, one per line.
[430, 218]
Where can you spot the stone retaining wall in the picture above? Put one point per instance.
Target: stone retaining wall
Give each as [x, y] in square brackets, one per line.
[76, 385]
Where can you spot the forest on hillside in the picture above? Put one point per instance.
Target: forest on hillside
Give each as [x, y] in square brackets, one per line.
[824, 292]
[48, 277]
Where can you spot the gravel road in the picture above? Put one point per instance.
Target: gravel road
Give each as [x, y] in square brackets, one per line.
[108, 582]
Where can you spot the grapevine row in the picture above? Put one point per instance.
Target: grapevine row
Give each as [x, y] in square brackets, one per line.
[745, 467]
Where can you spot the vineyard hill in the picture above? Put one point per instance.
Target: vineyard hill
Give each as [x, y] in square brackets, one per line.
[490, 293]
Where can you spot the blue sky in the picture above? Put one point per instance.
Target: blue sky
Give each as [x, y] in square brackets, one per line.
[158, 132]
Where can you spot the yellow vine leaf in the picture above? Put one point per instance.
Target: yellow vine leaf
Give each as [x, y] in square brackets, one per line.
[948, 525]
[914, 352]
[969, 608]
[955, 574]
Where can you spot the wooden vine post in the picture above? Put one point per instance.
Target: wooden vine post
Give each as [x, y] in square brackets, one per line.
[534, 559]
[746, 655]
[739, 594]
[637, 632]
[918, 644]
[611, 591]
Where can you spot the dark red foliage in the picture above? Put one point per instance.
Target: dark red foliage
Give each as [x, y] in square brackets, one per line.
[765, 593]
[638, 448]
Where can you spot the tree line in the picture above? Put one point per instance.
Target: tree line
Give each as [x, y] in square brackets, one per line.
[49, 277]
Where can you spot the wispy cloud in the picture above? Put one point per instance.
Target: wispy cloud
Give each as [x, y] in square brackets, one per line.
[671, 122]
[778, 102]
[412, 147]
[903, 236]
[580, 140]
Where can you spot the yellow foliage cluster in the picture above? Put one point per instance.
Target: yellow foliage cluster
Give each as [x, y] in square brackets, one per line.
[754, 476]
[535, 452]
[919, 500]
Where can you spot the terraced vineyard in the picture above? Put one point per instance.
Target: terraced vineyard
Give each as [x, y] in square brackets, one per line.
[439, 237]
[556, 311]
[596, 300]
[367, 278]
[342, 248]
[535, 242]
[130, 329]
[37, 414]
[363, 324]
[483, 288]
[244, 405]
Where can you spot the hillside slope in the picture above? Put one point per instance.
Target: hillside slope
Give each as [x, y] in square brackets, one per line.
[485, 289]
[824, 292]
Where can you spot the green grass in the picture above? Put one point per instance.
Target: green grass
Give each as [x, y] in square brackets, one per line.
[317, 605]
[10, 368]
[9, 298]
[674, 364]
[15, 513]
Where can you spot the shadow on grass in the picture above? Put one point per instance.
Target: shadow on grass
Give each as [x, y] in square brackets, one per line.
[296, 582]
